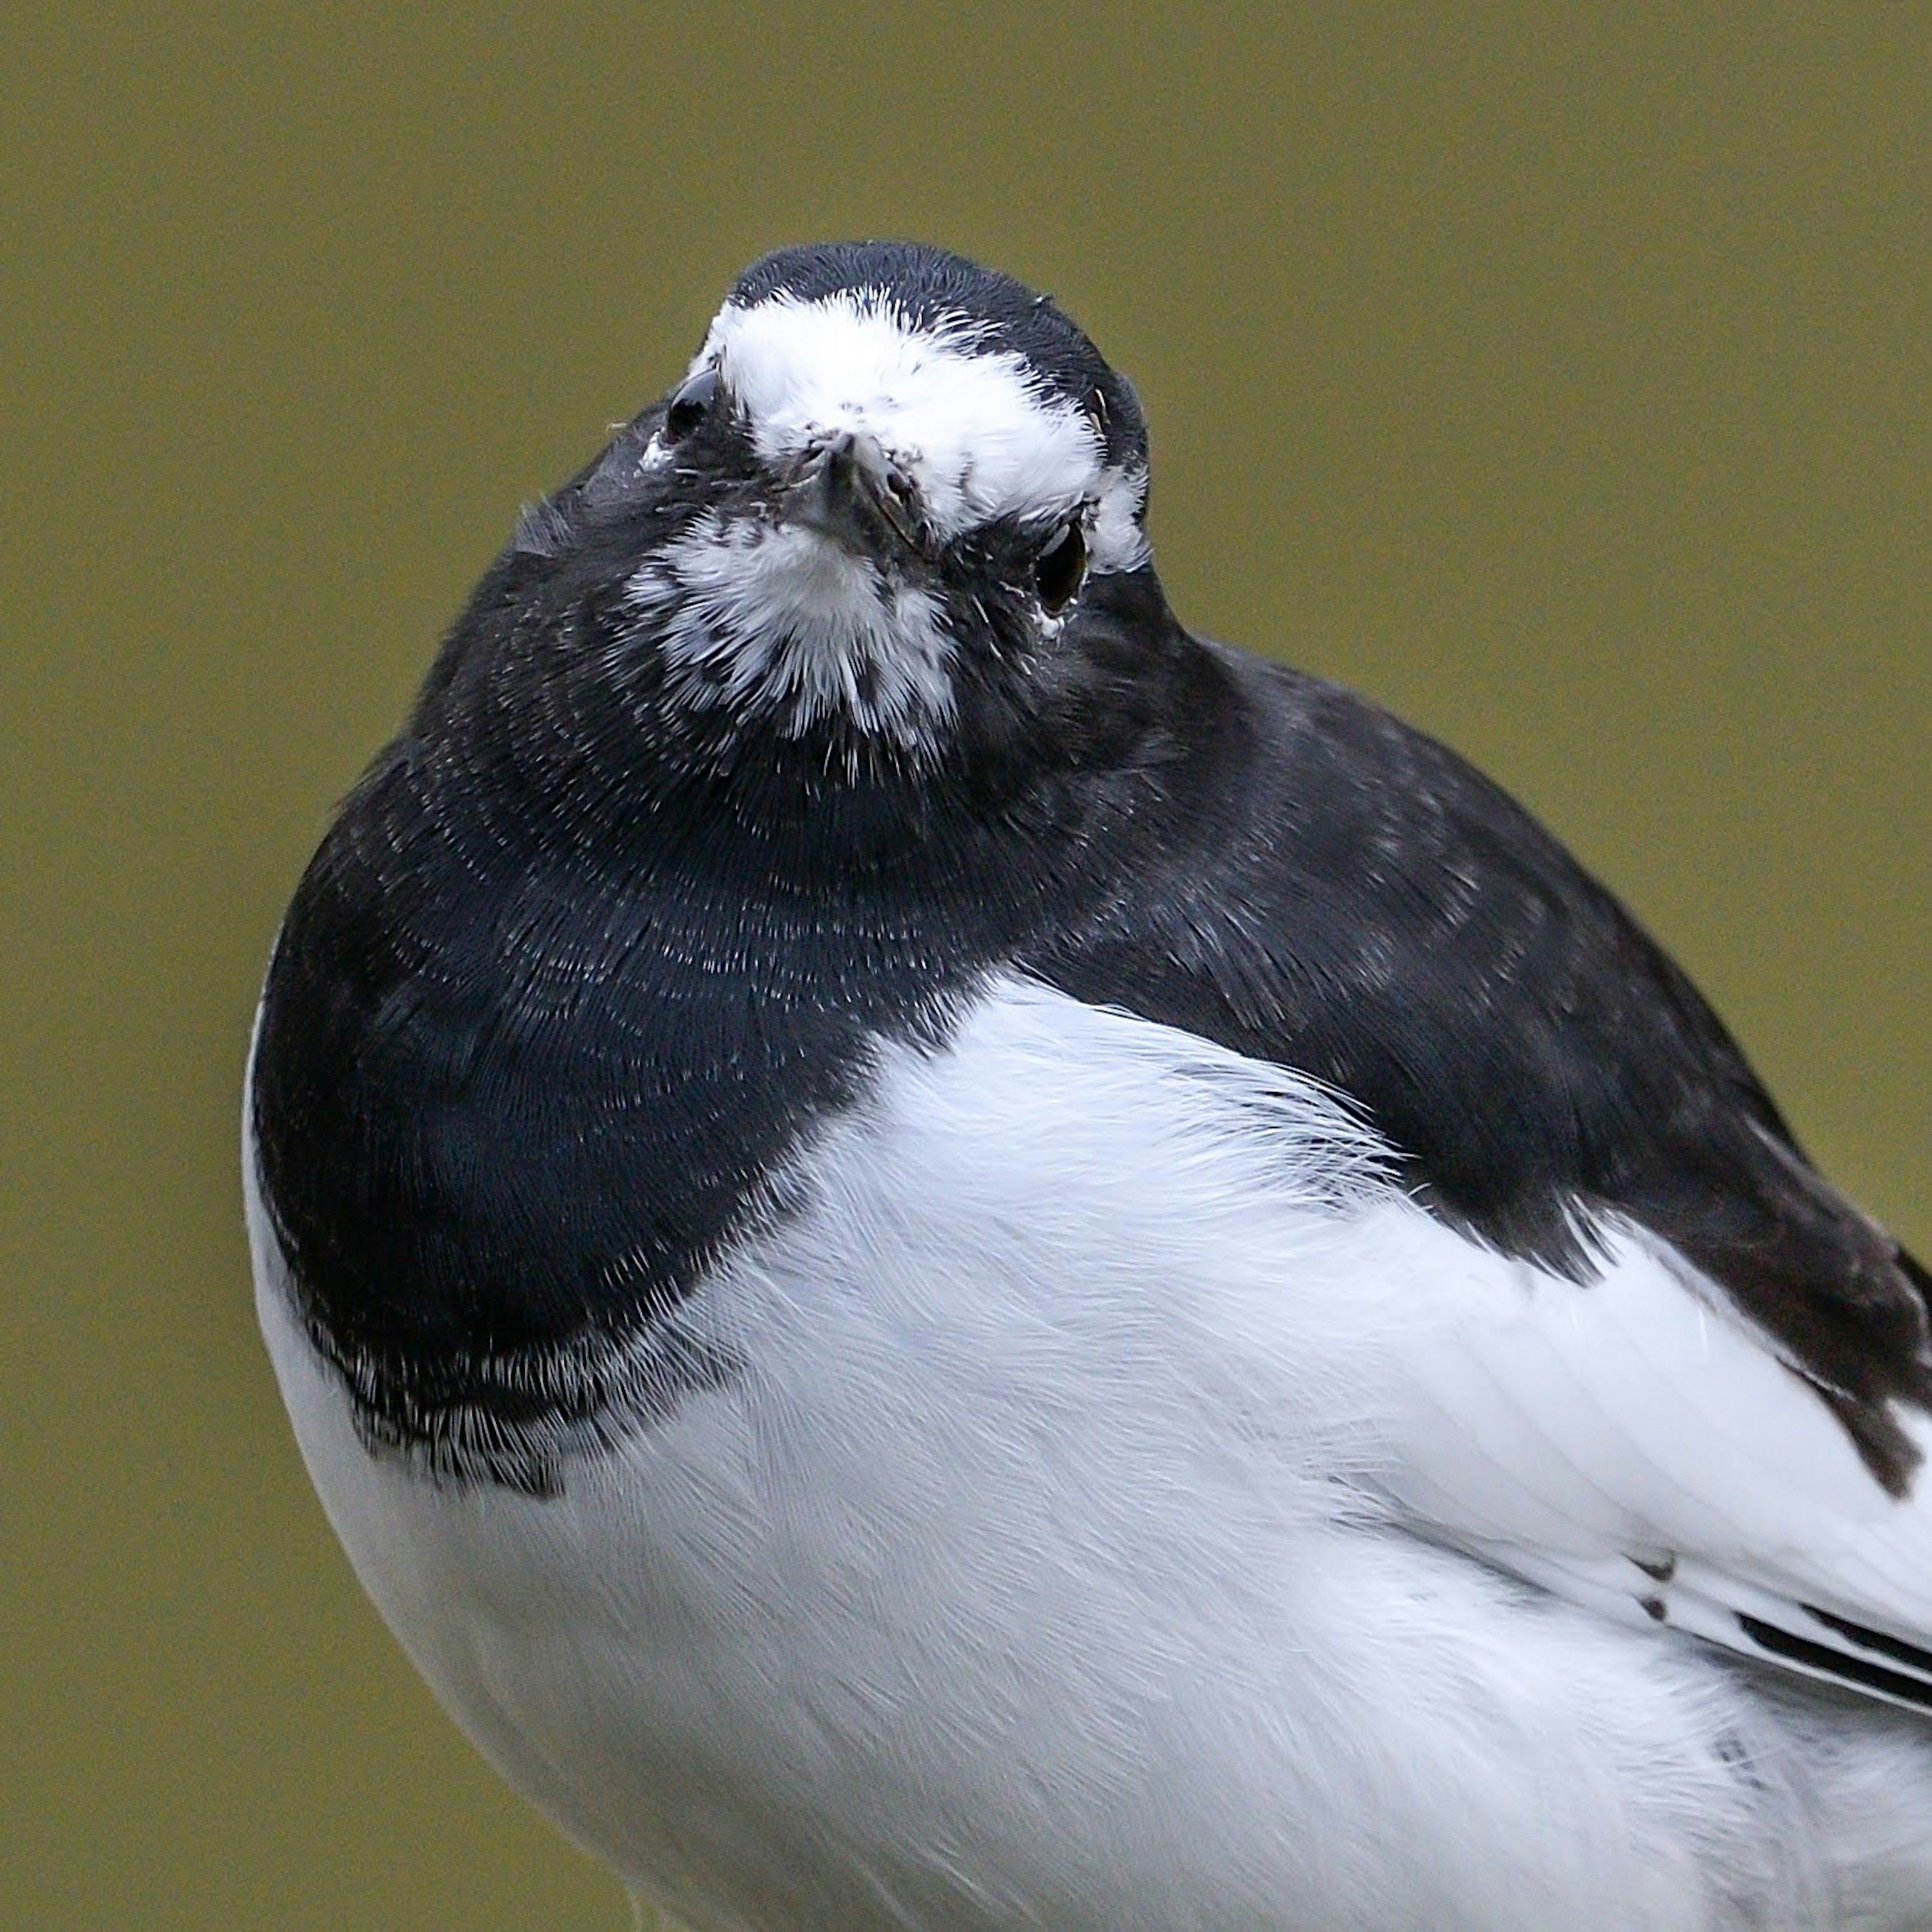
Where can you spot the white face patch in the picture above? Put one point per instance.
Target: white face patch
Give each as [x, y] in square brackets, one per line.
[978, 436]
[775, 619]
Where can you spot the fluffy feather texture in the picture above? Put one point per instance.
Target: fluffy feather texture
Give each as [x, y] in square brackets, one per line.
[1069, 1550]
[771, 617]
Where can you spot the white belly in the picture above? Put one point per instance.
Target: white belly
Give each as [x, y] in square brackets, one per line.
[1029, 1572]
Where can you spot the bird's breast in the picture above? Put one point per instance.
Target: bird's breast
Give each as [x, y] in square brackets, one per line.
[1039, 1562]
[1006, 1383]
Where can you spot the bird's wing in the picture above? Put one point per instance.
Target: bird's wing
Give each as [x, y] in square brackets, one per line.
[1658, 1364]
[1633, 1444]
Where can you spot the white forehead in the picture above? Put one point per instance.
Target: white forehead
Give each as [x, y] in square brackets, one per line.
[977, 433]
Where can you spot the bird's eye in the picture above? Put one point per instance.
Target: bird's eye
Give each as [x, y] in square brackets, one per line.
[1060, 568]
[690, 405]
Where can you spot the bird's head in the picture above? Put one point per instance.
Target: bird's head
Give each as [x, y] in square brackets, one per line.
[861, 529]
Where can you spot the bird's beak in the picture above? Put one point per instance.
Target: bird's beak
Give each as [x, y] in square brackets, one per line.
[848, 490]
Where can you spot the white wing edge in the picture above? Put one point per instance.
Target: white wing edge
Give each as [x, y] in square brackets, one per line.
[1634, 1444]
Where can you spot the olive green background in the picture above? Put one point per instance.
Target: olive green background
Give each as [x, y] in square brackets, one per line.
[1557, 374]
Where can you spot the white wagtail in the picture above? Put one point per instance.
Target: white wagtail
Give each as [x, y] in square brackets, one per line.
[953, 1259]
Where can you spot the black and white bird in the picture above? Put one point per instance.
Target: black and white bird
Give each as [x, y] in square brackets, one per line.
[954, 1260]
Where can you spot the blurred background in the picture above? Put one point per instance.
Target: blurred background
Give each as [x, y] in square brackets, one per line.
[1558, 375]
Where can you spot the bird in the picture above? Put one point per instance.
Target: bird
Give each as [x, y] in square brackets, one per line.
[952, 1258]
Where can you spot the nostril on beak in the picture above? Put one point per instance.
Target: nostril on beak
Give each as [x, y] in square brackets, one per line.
[846, 486]
[825, 444]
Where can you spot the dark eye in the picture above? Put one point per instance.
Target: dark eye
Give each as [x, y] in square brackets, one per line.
[1059, 569]
[690, 405]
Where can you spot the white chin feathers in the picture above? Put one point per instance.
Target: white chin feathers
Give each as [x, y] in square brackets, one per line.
[969, 425]
[773, 620]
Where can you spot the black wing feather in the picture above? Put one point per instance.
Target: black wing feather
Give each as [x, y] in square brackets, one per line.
[1370, 910]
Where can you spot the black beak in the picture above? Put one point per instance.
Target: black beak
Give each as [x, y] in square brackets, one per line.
[846, 488]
